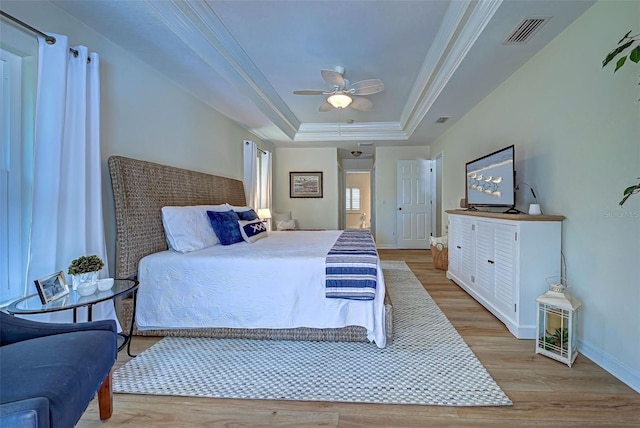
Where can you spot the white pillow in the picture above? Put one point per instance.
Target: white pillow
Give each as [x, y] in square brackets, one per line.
[239, 209]
[252, 230]
[188, 228]
[278, 217]
[286, 225]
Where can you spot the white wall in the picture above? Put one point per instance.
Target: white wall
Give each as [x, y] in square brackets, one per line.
[321, 213]
[143, 114]
[386, 190]
[576, 130]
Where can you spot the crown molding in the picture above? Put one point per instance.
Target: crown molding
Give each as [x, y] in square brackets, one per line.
[197, 25]
[350, 131]
[429, 85]
[437, 50]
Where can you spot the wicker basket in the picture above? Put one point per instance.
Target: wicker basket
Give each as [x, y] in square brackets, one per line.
[440, 255]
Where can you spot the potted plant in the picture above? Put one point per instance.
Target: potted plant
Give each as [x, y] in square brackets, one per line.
[85, 269]
[628, 47]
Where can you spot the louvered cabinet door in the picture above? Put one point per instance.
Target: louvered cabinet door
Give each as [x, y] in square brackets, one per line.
[506, 259]
[455, 247]
[485, 263]
[461, 249]
[468, 251]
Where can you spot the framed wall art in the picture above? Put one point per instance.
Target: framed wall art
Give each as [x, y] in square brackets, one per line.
[52, 287]
[305, 184]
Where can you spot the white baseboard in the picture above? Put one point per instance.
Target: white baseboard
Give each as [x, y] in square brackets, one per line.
[386, 246]
[609, 363]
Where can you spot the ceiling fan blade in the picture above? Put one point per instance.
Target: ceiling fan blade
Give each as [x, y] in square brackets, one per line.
[309, 92]
[366, 87]
[362, 104]
[325, 107]
[333, 78]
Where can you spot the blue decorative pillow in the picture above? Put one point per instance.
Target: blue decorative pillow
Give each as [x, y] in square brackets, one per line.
[253, 230]
[225, 225]
[248, 215]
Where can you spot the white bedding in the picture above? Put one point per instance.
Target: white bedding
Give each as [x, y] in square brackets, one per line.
[277, 282]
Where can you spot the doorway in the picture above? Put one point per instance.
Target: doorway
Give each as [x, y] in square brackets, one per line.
[358, 199]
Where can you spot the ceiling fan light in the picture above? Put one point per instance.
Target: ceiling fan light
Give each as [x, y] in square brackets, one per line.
[339, 100]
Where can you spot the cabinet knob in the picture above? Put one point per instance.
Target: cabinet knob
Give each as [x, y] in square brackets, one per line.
[400, 209]
[490, 261]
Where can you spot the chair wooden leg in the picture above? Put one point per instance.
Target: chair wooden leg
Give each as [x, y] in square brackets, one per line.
[105, 398]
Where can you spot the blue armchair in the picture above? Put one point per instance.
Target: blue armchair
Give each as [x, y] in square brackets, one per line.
[49, 373]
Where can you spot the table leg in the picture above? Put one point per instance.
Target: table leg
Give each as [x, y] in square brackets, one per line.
[129, 336]
[133, 317]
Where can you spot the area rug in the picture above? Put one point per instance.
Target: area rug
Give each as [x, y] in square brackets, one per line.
[426, 363]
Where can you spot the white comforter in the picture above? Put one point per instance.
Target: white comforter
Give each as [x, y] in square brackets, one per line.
[276, 282]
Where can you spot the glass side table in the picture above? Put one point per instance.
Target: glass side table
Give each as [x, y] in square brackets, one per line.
[31, 305]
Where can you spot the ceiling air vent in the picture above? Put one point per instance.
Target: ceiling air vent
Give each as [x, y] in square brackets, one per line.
[525, 30]
[442, 119]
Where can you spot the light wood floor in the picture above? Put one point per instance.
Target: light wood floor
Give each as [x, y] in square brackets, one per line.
[544, 392]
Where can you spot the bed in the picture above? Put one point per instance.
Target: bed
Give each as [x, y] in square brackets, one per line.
[142, 188]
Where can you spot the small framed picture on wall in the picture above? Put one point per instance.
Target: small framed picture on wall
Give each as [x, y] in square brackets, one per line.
[305, 184]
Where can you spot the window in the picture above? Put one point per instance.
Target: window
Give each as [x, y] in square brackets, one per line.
[16, 153]
[353, 199]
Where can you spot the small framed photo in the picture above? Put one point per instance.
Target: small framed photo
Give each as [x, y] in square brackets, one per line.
[305, 184]
[52, 287]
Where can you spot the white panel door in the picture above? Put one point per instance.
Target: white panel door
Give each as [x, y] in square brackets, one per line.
[414, 203]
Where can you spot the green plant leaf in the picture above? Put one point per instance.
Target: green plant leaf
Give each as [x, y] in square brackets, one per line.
[616, 52]
[628, 192]
[631, 189]
[635, 54]
[620, 63]
[625, 36]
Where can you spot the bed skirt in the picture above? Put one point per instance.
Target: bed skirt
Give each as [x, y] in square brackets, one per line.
[345, 334]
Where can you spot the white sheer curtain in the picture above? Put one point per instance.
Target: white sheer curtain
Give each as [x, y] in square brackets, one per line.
[67, 220]
[265, 180]
[251, 173]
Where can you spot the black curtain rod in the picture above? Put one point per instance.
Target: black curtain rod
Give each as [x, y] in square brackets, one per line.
[49, 39]
[259, 149]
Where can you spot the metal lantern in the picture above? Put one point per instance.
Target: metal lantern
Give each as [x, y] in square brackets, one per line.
[556, 323]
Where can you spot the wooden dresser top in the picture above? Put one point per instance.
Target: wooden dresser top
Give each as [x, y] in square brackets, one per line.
[516, 217]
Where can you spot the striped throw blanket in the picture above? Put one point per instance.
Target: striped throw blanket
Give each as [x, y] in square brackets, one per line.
[352, 266]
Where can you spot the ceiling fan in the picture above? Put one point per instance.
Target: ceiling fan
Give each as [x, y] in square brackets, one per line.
[341, 94]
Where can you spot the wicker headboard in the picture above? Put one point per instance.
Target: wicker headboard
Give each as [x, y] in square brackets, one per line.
[141, 189]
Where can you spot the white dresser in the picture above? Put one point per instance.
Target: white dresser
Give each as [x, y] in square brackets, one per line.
[502, 261]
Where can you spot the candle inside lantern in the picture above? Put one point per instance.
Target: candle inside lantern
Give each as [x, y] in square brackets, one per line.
[555, 320]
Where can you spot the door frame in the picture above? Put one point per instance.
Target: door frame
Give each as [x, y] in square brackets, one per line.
[343, 192]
